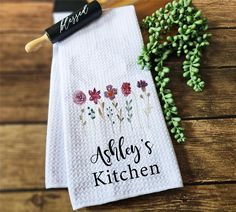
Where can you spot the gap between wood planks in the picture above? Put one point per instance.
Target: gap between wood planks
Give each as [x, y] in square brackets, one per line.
[215, 11]
[33, 72]
[8, 32]
[189, 198]
[233, 182]
[220, 54]
[183, 119]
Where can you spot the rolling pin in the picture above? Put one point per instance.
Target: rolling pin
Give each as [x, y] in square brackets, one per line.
[67, 26]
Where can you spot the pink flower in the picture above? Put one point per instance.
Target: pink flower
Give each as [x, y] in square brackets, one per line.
[126, 89]
[142, 84]
[111, 92]
[79, 97]
[94, 96]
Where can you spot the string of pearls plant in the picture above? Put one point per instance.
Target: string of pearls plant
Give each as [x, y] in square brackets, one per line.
[189, 40]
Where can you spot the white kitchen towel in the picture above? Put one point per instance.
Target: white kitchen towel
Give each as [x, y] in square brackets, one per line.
[55, 164]
[113, 143]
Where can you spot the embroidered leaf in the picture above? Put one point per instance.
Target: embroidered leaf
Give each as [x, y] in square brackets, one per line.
[115, 104]
[100, 112]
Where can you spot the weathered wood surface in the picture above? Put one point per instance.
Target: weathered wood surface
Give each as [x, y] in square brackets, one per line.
[208, 156]
[221, 52]
[24, 97]
[191, 198]
[215, 11]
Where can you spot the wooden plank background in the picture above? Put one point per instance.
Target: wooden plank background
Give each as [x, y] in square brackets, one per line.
[207, 160]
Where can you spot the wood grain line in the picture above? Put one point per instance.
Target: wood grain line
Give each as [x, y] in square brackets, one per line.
[214, 10]
[190, 198]
[221, 53]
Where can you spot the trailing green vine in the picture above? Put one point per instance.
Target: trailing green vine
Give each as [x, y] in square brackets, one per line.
[189, 40]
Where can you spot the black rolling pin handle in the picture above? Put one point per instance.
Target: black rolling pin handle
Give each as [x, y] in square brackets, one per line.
[74, 22]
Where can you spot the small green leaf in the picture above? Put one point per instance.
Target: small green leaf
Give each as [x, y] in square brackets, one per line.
[199, 22]
[198, 14]
[169, 95]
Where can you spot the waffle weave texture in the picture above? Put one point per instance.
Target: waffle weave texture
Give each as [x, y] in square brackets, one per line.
[107, 139]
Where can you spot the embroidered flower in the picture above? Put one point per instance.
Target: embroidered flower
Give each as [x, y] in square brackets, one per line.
[126, 89]
[111, 92]
[94, 95]
[79, 97]
[145, 96]
[142, 84]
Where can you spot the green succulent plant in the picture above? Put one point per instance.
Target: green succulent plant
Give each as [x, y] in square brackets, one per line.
[190, 39]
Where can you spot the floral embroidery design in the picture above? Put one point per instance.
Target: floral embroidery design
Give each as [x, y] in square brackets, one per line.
[119, 113]
[129, 108]
[111, 94]
[126, 91]
[145, 96]
[115, 111]
[79, 98]
[101, 110]
[95, 96]
[110, 115]
[81, 117]
[92, 115]
[142, 84]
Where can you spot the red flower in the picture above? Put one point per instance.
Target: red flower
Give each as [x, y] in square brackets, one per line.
[94, 96]
[111, 92]
[79, 97]
[126, 89]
